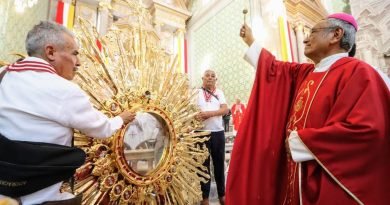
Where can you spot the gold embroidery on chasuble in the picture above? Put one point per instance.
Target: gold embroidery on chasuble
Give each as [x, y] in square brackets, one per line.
[300, 105]
[297, 121]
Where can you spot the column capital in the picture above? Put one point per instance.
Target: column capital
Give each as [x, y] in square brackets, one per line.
[298, 26]
[180, 31]
[105, 5]
[306, 31]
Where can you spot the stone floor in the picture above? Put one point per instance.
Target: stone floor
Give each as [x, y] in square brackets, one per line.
[213, 190]
[213, 194]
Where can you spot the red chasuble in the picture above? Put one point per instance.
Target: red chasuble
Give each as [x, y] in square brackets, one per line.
[343, 118]
[238, 111]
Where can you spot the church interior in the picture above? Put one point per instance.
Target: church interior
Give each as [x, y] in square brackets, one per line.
[176, 40]
[205, 33]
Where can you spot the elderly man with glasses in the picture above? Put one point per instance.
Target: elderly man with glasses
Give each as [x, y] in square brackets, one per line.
[314, 133]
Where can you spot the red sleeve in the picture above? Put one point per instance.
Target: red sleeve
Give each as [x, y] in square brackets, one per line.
[234, 108]
[258, 149]
[354, 144]
[243, 108]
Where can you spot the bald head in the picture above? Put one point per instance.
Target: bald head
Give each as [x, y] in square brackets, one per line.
[209, 71]
[209, 79]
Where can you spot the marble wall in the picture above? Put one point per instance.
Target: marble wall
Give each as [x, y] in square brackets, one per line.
[14, 26]
[216, 45]
[373, 39]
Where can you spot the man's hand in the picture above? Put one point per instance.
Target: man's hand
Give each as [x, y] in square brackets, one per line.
[246, 34]
[127, 116]
[205, 115]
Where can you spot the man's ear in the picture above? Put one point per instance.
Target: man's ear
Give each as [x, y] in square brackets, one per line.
[49, 52]
[337, 35]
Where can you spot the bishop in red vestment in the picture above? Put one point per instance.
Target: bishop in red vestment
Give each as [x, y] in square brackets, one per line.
[238, 110]
[314, 134]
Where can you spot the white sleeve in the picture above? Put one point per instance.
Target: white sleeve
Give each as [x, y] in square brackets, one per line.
[221, 98]
[253, 53]
[299, 152]
[78, 113]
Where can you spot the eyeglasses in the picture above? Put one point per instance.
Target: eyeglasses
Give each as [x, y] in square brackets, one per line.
[313, 30]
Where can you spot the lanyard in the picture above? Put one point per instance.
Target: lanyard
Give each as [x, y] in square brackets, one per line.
[207, 94]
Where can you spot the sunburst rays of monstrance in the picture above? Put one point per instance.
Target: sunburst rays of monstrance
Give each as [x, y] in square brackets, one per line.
[131, 72]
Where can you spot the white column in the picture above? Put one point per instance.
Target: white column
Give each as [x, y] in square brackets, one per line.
[255, 10]
[270, 13]
[157, 26]
[382, 62]
[367, 56]
[294, 43]
[300, 37]
[103, 16]
[256, 21]
[179, 49]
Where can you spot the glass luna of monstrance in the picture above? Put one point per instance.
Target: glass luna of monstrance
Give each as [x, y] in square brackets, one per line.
[157, 158]
[145, 141]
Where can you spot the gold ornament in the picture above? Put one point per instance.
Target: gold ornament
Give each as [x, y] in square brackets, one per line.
[130, 72]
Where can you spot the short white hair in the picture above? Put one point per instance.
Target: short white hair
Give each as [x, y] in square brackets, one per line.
[348, 39]
[209, 70]
[46, 32]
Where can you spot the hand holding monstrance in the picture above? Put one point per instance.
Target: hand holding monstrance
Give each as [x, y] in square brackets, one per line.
[129, 115]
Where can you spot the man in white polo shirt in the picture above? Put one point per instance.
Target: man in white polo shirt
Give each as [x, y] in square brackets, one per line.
[213, 106]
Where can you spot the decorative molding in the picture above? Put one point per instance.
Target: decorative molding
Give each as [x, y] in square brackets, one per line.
[90, 2]
[206, 13]
[169, 15]
[182, 3]
[87, 11]
[303, 15]
[371, 39]
[309, 12]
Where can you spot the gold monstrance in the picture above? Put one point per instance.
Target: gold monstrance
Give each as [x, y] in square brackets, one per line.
[129, 71]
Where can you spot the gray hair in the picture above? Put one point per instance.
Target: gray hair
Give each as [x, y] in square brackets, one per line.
[209, 70]
[349, 33]
[46, 32]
